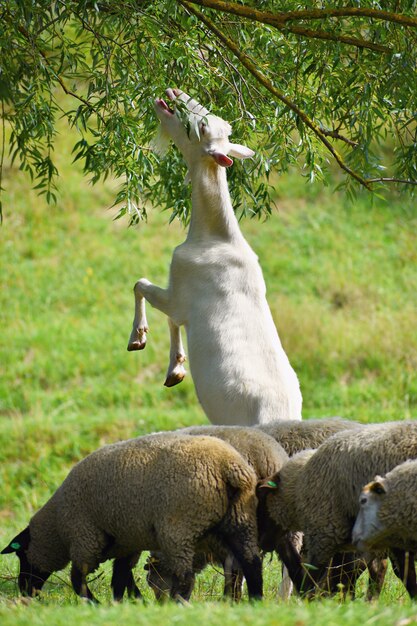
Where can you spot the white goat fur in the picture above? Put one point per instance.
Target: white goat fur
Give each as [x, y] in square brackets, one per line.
[216, 289]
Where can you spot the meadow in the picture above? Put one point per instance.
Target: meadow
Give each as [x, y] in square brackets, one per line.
[342, 285]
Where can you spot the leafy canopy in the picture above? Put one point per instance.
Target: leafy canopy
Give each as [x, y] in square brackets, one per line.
[301, 84]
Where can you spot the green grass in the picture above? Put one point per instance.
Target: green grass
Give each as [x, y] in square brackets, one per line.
[342, 285]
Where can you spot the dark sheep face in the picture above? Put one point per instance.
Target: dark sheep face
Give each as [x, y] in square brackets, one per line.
[31, 579]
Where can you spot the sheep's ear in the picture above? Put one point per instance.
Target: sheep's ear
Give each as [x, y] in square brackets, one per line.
[240, 152]
[268, 483]
[221, 159]
[20, 542]
[378, 487]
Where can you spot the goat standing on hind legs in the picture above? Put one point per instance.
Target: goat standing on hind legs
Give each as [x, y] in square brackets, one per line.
[216, 288]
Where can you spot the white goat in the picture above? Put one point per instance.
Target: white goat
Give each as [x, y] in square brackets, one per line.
[216, 288]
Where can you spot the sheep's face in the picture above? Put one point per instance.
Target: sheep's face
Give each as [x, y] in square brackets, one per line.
[159, 578]
[31, 579]
[368, 529]
[273, 492]
[283, 492]
[197, 133]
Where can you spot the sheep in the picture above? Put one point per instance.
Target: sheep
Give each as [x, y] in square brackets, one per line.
[158, 492]
[317, 492]
[388, 511]
[343, 568]
[295, 436]
[266, 457]
[216, 289]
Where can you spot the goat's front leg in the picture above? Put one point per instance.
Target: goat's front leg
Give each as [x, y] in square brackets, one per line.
[158, 298]
[176, 370]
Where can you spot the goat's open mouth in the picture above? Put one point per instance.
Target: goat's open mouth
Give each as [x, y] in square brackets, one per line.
[161, 102]
[171, 94]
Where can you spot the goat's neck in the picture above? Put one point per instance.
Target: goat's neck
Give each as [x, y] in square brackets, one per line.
[212, 213]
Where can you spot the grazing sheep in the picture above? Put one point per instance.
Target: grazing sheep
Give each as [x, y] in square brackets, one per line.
[387, 515]
[158, 492]
[216, 288]
[295, 436]
[317, 492]
[266, 457]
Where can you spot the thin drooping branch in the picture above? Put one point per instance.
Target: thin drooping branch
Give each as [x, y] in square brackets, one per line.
[60, 80]
[280, 18]
[2, 153]
[335, 134]
[247, 62]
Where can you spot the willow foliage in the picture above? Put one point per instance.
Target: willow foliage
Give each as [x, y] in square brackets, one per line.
[302, 84]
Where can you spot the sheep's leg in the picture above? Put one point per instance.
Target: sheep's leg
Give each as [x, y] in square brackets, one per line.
[291, 559]
[233, 579]
[286, 586]
[250, 562]
[404, 569]
[182, 585]
[377, 570]
[79, 583]
[176, 370]
[122, 578]
[158, 298]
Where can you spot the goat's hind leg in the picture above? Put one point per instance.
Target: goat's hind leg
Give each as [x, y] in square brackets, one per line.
[176, 370]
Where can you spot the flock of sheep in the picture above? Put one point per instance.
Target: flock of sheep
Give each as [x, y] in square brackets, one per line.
[259, 479]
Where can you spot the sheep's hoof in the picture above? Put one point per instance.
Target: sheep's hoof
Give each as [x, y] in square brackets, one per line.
[137, 339]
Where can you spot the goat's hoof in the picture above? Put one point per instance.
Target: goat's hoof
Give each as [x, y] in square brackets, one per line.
[174, 378]
[135, 345]
[137, 339]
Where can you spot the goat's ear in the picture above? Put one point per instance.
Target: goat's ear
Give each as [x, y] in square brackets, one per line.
[221, 159]
[160, 143]
[20, 542]
[240, 152]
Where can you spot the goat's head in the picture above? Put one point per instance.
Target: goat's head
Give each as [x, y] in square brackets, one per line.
[197, 133]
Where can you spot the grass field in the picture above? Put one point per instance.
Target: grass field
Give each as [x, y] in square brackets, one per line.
[342, 285]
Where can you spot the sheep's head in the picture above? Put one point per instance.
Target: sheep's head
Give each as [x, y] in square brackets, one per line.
[31, 579]
[159, 577]
[368, 527]
[195, 131]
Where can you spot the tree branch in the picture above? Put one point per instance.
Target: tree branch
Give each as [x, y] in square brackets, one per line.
[392, 180]
[247, 62]
[336, 135]
[322, 34]
[274, 20]
[280, 18]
